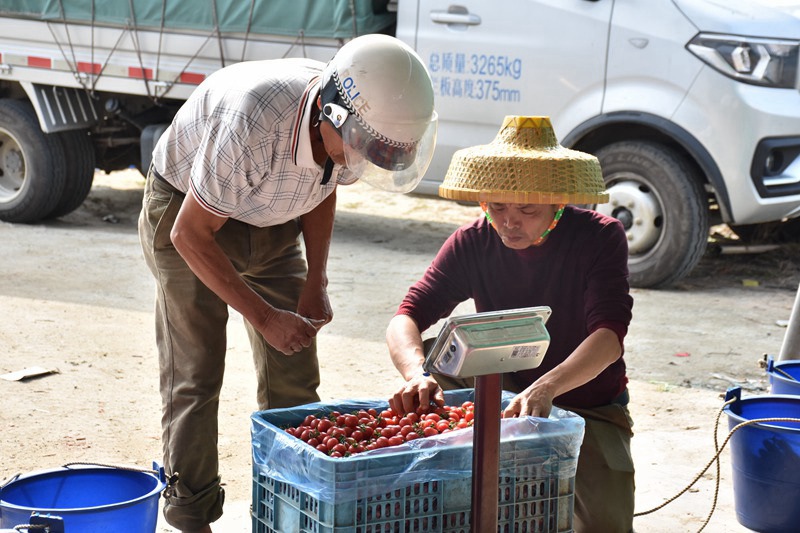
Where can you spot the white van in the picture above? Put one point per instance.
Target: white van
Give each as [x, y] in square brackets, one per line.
[692, 106]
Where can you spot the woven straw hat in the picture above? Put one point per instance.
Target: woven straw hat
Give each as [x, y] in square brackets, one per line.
[524, 164]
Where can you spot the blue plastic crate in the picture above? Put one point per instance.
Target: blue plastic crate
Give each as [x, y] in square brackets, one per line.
[423, 485]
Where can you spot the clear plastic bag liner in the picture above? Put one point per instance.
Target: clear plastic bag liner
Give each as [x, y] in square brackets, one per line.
[552, 443]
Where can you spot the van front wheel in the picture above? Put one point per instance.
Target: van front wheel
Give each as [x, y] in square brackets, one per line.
[657, 195]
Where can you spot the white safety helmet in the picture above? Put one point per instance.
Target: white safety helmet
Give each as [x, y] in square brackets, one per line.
[378, 95]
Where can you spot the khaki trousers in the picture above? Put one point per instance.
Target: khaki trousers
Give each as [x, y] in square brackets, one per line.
[191, 324]
[604, 481]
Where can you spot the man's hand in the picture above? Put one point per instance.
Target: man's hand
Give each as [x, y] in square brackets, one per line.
[287, 332]
[315, 305]
[419, 390]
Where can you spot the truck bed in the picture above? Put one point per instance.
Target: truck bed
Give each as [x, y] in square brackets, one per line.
[164, 49]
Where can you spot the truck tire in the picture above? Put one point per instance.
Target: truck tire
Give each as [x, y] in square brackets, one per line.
[658, 197]
[32, 170]
[80, 164]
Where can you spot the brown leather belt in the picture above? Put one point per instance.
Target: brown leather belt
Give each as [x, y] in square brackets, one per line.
[164, 182]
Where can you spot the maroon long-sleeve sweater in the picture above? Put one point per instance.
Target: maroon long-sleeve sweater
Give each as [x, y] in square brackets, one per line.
[580, 272]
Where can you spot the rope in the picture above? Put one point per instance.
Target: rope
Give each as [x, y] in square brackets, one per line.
[137, 48]
[783, 373]
[353, 13]
[74, 64]
[160, 37]
[218, 32]
[249, 25]
[301, 38]
[715, 460]
[116, 467]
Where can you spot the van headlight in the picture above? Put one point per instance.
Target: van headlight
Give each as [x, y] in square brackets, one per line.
[767, 62]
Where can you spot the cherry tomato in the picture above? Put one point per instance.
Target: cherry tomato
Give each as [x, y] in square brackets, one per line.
[430, 431]
[345, 434]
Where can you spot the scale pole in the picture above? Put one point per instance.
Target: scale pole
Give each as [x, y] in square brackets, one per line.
[790, 349]
[486, 453]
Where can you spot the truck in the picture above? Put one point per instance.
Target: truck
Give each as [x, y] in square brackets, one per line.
[691, 106]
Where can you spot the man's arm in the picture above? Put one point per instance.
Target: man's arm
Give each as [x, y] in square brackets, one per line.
[590, 358]
[317, 227]
[406, 350]
[193, 236]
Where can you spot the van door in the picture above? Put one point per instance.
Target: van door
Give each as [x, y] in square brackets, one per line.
[490, 59]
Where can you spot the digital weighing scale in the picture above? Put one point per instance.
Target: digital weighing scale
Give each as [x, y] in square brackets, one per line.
[485, 346]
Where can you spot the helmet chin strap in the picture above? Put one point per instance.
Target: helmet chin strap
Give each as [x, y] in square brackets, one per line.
[326, 174]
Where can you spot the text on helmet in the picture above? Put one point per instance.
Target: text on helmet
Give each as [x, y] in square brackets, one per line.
[349, 85]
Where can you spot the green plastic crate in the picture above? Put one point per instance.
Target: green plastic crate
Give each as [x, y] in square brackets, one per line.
[424, 485]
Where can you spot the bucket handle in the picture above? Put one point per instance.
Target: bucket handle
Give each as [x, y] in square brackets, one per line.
[10, 480]
[733, 393]
[157, 469]
[47, 523]
[771, 368]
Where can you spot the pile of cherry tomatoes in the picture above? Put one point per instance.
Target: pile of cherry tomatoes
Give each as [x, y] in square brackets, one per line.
[342, 435]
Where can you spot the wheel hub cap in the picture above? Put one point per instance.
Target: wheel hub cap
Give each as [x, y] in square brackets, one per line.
[637, 208]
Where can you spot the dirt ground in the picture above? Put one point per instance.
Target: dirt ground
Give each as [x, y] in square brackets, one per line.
[77, 299]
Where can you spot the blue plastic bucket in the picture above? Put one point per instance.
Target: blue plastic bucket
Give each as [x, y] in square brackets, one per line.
[84, 500]
[779, 382]
[766, 462]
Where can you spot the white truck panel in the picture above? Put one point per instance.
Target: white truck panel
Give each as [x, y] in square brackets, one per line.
[124, 59]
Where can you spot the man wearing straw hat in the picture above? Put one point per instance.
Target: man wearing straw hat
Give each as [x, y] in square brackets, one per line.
[531, 248]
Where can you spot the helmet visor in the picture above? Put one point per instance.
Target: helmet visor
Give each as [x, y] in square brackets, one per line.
[379, 161]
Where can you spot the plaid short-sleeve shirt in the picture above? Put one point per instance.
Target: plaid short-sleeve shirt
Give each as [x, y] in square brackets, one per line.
[241, 143]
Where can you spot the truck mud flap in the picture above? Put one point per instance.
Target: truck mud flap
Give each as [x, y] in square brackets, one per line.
[62, 108]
